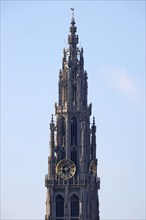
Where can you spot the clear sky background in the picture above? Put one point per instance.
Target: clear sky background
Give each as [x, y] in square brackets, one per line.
[33, 35]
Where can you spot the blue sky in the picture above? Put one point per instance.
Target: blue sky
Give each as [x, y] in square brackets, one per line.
[33, 35]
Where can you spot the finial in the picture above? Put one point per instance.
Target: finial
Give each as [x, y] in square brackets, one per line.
[72, 20]
[52, 120]
[60, 74]
[93, 120]
[72, 9]
[85, 74]
[81, 51]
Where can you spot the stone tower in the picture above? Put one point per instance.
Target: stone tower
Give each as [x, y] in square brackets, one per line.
[72, 182]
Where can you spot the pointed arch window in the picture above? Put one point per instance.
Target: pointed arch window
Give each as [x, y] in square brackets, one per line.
[74, 207]
[73, 131]
[59, 207]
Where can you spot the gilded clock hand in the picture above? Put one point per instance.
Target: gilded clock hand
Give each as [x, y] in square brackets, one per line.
[70, 166]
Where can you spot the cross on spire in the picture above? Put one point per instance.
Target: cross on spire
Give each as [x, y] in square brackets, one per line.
[72, 9]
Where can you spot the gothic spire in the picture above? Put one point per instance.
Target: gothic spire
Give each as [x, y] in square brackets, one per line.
[72, 162]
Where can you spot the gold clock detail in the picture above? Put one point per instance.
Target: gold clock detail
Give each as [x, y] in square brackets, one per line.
[92, 168]
[65, 169]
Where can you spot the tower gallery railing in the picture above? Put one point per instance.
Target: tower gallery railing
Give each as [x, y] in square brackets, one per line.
[71, 182]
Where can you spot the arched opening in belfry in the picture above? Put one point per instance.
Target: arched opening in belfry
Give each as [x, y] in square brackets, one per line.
[59, 207]
[74, 203]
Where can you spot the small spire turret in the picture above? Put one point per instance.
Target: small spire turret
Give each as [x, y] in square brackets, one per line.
[52, 141]
[93, 140]
[52, 119]
[93, 121]
[94, 126]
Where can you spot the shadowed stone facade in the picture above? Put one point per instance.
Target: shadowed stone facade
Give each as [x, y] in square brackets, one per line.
[72, 182]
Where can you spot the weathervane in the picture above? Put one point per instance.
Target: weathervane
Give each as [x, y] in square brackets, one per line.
[72, 9]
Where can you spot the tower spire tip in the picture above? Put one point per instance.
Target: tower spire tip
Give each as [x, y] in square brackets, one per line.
[72, 9]
[72, 20]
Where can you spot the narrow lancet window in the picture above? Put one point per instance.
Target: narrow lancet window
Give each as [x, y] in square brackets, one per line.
[74, 93]
[63, 129]
[73, 131]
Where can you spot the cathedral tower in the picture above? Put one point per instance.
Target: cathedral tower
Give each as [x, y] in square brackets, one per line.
[72, 182]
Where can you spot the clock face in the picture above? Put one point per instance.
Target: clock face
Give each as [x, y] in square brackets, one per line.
[92, 168]
[65, 169]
